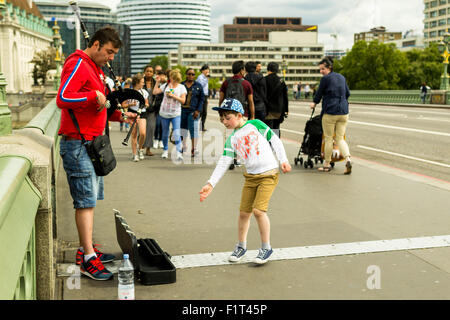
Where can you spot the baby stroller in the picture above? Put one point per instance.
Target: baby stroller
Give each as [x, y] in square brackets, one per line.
[312, 143]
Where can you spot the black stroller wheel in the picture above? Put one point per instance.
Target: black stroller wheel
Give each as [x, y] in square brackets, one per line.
[305, 164]
[332, 164]
[301, 161]
[311, 164]
[295, 161]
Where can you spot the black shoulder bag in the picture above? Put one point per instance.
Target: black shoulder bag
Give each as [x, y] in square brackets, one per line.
[99, 150]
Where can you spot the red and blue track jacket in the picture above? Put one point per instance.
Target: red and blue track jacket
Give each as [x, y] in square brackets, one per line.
[80, 78]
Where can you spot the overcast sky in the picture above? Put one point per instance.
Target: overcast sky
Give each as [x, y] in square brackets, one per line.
[344, 17]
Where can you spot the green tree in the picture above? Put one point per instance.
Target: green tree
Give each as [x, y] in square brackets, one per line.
[373, 66]
[163, 61]
[423, 66]
[214, 83]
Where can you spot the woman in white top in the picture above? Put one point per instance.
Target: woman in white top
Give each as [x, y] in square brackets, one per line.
[170, 112]
[138, 84]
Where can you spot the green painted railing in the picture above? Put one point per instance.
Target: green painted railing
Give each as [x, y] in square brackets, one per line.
[388, 96]
[19, 201]
[382, 96]
[48, 121]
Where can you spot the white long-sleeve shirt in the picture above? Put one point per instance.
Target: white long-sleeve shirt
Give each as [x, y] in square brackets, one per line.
[251, 142]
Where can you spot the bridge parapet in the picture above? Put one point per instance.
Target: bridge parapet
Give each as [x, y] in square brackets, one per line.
[29, 159]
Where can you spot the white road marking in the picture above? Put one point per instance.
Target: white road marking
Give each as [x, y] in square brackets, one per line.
[290, 253]
[382, 108]
[384, 126]
[404, 156]
[327, 250]
[433, 119]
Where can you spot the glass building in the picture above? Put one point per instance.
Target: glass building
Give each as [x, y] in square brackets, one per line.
[159, 26]
[94, 16]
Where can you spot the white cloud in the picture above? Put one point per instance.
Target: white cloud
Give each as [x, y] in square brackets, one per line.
[344, 17]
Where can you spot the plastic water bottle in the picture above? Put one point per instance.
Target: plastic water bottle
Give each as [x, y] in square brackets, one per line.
[126, 279]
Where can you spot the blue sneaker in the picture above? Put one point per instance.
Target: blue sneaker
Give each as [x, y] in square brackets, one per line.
[237, 254]
[95, 269]
[263, 256]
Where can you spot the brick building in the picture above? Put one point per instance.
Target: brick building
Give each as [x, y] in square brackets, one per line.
[258, 28]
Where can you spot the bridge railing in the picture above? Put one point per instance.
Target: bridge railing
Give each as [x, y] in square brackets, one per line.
[381, 96]
[28, 165]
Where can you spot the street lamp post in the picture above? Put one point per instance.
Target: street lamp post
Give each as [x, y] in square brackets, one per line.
[443, 47]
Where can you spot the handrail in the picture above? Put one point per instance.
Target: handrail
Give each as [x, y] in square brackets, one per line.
[27, 208]
[19, 201]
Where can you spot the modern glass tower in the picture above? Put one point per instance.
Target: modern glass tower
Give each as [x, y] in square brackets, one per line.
[158, 26]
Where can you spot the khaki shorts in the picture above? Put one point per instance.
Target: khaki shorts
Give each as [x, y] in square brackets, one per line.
[257, 190]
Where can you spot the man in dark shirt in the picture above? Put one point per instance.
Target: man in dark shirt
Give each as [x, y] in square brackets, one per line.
[238, 68]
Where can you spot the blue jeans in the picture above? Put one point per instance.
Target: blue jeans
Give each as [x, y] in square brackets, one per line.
[165, 122]
[189, 123]
[158, 128]
[85, 186]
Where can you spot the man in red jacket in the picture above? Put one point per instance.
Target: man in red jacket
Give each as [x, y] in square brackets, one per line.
[83, 90]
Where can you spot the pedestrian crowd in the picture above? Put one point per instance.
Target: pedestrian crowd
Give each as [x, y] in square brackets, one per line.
[176, 110]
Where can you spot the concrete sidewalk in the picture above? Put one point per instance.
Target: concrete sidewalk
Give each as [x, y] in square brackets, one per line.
[160, 200]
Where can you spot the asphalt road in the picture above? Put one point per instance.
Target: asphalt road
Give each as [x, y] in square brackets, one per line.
[408, 138]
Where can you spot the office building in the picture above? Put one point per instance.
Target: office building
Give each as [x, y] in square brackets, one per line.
[258, 28]
[296, 52]
[158, 27]
[335, 54]
[378, 33]
[409, 41]
[436, 20]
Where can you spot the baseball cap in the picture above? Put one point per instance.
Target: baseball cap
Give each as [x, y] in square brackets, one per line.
[230, 104]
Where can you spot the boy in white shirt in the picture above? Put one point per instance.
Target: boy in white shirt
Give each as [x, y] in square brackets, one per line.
[251, 140]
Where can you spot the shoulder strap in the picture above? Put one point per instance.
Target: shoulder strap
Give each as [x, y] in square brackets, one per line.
[75, 122]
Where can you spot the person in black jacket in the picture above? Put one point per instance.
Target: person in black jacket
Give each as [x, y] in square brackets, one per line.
[334, 93]
[191, 111]
[258, 83]
[277, 107]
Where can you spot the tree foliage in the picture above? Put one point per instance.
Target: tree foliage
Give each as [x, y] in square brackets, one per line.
[380, 66]
[163, 61]
[424, 66]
